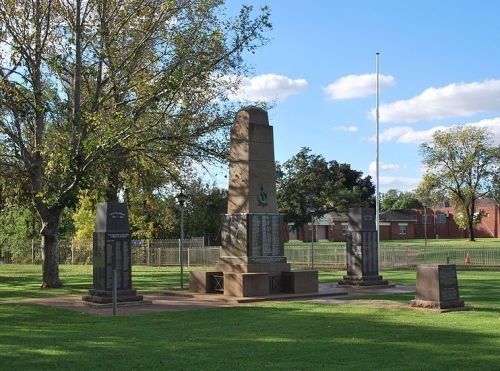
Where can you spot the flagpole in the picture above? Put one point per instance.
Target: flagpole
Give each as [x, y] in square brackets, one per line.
[377, 198]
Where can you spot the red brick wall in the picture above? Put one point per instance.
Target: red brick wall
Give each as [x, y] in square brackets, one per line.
[489, 227]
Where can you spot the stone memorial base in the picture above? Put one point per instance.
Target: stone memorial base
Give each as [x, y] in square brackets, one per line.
[257, 282]
[106, 296]
[437, 287]
[365, 281]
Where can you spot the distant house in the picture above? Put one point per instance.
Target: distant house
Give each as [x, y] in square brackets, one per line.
[433, 222]
[329, 227]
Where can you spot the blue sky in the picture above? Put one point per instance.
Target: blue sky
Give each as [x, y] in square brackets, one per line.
[439, 66]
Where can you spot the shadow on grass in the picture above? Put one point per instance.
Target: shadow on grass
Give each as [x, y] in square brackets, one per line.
[278, 336]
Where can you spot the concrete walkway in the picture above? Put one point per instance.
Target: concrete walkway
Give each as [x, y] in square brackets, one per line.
[179, 301]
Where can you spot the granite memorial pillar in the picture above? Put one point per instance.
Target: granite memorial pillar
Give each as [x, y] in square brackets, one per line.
[362, 250]
[112, 251]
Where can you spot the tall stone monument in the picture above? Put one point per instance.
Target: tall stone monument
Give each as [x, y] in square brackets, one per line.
[252, 261]
[111, 251]
[362, 250]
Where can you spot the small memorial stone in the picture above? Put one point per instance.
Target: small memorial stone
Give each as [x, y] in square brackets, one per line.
[437, 287]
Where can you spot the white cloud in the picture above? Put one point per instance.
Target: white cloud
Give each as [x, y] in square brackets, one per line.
[406, 134]
[372, 167]
[357, 86]
[266, 88]
[347, 129]
[454, 100]
[401, 183]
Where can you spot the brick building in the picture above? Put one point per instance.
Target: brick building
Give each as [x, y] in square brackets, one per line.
[433, 222]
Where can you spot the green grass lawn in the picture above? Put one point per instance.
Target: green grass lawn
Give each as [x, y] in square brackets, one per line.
[288, 335]
[457, 242]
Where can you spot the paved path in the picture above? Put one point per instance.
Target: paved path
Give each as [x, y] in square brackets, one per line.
[180, 301]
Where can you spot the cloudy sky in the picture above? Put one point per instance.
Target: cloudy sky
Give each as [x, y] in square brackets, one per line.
[439, 66]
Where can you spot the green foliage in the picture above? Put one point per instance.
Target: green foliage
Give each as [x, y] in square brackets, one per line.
[204, 210]
[89, 89]
[396, 200]
[308, 180]
[463, 222]
[84, 215]
[462, 163]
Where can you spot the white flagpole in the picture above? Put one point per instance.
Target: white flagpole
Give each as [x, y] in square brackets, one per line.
[377, 199]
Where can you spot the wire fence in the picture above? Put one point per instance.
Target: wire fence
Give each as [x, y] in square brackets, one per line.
[166, 252]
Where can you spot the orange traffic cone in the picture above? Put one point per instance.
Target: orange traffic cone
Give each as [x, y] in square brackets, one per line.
[468, 260]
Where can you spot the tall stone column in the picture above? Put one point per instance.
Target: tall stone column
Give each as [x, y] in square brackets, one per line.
[252, 261]
[112, 251]
[252, 231]
[362, 250]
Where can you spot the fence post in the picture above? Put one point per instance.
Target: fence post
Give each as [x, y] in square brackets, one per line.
[72, 254]
[147, 253]
[32, 251]
[188, 260]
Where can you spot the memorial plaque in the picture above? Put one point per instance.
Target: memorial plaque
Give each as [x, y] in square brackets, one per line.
[362, 250]
[111, 244]
[437, 287]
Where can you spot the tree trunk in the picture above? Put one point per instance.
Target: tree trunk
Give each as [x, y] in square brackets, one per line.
[470, 225]
[49, 232]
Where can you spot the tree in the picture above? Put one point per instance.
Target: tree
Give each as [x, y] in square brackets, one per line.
[87, 84]
[388, 199]
[308, 180]
[461, 163]
[396, 200]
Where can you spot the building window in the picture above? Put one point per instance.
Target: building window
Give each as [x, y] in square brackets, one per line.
[427, 219]
[344, 228]
[440, 218]
[403, 229]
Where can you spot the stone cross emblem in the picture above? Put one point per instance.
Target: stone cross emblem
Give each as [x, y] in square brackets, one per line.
[262, 197]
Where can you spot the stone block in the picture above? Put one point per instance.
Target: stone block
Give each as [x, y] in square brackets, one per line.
[261, 151]
[205, 282]
[261, 134]
[299, 282]
[437, 287]
[246, 284]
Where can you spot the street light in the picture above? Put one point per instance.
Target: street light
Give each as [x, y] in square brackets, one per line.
[181, 199]
[425, 225]
[311, 210]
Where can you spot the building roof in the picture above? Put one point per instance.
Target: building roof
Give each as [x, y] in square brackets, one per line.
[338, 217]
[396, 216]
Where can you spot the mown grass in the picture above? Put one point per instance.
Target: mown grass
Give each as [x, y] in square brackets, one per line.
[289, 335]
[457, 242]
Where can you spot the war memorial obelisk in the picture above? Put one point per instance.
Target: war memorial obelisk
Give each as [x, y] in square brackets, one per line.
[252, 261]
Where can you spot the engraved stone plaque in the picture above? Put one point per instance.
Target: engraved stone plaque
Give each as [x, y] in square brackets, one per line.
[437, 287]
[266, 237]
[362, 250]
[111, 251]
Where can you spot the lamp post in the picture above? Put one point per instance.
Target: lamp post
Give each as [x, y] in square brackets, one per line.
[425, 225]
[181, 199]
[311, 210]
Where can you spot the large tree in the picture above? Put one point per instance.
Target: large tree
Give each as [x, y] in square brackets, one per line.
[86, 84]
[461, 163]
[308, 180]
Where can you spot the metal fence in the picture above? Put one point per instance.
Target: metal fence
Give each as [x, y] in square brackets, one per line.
[166, 252]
